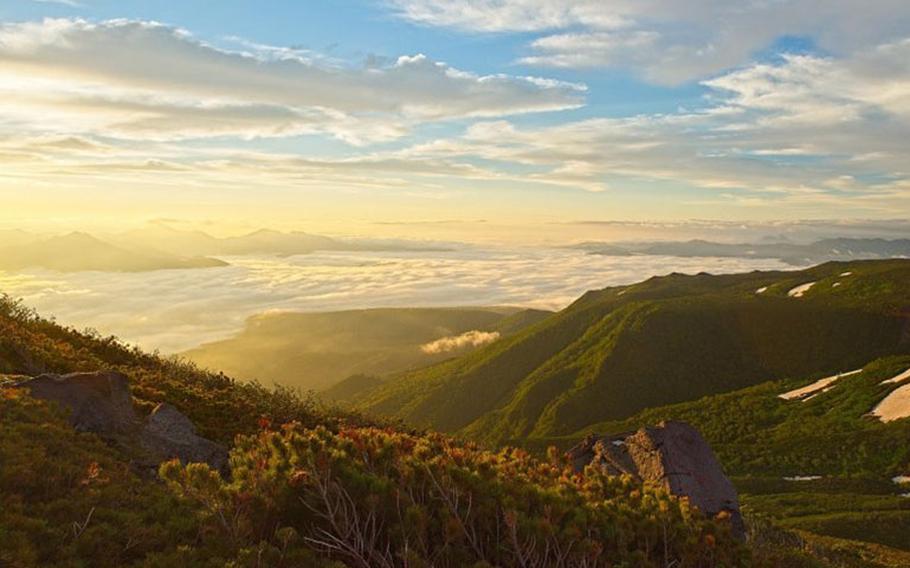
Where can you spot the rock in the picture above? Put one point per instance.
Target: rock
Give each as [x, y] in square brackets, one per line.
[101, 403]
[170, 434]
[673, 455]
[98, 402]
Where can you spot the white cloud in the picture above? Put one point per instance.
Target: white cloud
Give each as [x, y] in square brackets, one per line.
[779, 132]
[135, 79]
[448, 344]
[178, 309]
[108, 104]
[667, 41]
[509, 15]
[71, 3]
[784, 133]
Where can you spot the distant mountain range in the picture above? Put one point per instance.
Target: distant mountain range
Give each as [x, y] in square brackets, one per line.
[156, 248]
[791, 253]
[262, 241]
[617, 351]
[355, 347]
[81, 251]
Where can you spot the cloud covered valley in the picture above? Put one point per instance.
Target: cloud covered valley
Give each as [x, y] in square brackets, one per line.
[174, 310]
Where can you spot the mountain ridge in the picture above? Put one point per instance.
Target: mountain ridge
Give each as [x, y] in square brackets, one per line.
[77, 251]
[616, 351]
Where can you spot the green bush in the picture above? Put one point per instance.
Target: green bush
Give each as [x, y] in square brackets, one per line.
[378, 497]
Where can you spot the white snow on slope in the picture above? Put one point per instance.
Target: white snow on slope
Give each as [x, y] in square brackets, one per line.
[803, 478]
[818, 387]
[846, 273]
[800, 290]
[761, 290]
[894, 406]
[898, 378]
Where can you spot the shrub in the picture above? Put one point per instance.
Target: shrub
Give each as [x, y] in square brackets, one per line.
[378, 497]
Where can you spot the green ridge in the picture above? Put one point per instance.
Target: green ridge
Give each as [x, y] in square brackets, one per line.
[617, 351]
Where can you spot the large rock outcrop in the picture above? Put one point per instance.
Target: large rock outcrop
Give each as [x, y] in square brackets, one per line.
[101, 403]
[169, 433]
[98, 402]
[673, 455]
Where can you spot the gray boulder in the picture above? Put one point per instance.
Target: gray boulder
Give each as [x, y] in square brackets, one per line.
[98, 402]
[170, 434]
[101, 403]
[672, 455]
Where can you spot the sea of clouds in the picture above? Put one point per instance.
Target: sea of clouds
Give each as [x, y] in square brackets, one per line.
[174, 310]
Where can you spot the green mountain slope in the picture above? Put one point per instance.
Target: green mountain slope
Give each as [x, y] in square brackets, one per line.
[318, 350]
[821, 464]
[619, 350]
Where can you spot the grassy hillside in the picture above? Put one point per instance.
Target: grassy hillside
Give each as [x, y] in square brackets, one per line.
[670, 339]
[318, 350]
[309, 487]
[220, 406]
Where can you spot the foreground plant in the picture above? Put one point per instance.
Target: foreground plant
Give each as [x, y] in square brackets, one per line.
[380, 498]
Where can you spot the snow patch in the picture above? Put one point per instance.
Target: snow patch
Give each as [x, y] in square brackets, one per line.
[897, 378]
[894, 406]
[901, 479]
[848, 273]
[816, 388]
[835, 285]
[800, 290]
[762, 290]
[803, 478]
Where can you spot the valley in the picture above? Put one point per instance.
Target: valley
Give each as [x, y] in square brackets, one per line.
[318, 351]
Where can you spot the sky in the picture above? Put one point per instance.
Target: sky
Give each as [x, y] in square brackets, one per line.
[480, 118]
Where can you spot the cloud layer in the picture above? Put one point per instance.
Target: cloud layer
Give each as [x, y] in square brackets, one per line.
[111, 102]
[801, 131]
[145, 80]
[141, 114]
[174, 310]
[666, 41]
